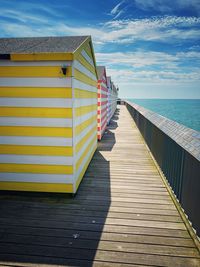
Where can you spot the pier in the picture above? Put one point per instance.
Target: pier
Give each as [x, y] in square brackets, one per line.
[124, 213]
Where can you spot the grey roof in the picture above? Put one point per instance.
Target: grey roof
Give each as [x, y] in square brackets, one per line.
[31, 45]
[100, 71]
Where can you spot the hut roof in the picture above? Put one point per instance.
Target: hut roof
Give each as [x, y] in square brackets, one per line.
[30, 45]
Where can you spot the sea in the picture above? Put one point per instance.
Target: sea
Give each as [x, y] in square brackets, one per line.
[184, 111]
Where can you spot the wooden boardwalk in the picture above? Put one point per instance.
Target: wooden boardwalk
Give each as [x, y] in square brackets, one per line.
[122, 214]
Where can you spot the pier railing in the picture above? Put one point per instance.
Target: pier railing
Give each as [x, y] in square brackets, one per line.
[176, 149]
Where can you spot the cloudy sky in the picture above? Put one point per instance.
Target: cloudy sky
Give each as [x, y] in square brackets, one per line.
[151, 48]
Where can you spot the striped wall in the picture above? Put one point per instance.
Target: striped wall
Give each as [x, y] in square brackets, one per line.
[112, 99]
[102, 105]
[48, 123]
[85, 112]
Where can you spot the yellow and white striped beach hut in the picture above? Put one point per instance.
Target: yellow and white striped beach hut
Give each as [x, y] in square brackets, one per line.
[48, 112]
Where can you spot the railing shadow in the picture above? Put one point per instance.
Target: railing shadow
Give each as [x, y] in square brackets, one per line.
[56, 229]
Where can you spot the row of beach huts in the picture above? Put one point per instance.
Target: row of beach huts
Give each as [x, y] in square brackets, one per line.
[54, 104]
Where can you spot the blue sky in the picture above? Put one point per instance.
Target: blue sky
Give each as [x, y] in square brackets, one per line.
[151, 48]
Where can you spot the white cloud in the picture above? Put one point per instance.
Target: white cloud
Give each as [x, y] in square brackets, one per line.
[127, 77]
[116, 9]
[165, 29]
[167, 6]
[23, 17]
[141, 59]
[150, 67]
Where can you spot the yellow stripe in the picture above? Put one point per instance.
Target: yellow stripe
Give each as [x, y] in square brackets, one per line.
[78, 93]
[84, 110]
[35, 131]
[80, 144]
[88, 51]
[84, 125]
[36, 92]
[84, 78]
[36, 168]
[36, 150]
[41, 56]
[84, 168]
[33, 71]
[81, 47]
[85, 153]
[37, 187]
[36, 112]
[85, 63]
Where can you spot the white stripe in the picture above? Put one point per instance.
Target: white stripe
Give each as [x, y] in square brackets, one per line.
[84, 70]
[102, 107]
[36, 102]
[102, 99]
[103, 129]
[89, 60]
[32, 63]
[103, 85]
[35, 141]
[36, 82]
[104, 113]
[83, 148]
[30, 159]
[81, 102]
[36, 178]
[103, 121]
[85, 160]
[43, 122]
[83, 118]
[85, 131]
[105, 93]
[86, 87]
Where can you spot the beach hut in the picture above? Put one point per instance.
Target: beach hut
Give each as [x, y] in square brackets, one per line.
[109, 84]
[112, 99]
[102, 100]
[48, 112]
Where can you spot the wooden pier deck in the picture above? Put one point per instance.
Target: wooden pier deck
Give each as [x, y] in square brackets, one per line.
[122, 214]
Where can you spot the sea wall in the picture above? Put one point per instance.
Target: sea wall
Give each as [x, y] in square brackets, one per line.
[176, 149]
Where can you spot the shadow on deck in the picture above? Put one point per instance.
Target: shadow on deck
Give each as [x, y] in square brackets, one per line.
[121, 216]
[54, 228]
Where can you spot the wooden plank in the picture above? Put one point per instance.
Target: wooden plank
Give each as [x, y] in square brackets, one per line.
[101, 221]
[75, 207]
[93, 227]
[11, 235]
[90, 244]
[68, 214]
[101, 255]
[122, 214]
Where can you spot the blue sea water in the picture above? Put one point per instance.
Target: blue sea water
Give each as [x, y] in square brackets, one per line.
[184, 111]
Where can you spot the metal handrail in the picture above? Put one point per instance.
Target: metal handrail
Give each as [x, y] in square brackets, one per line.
[176, 149]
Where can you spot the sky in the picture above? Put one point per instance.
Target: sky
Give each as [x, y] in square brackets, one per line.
[151, 48]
